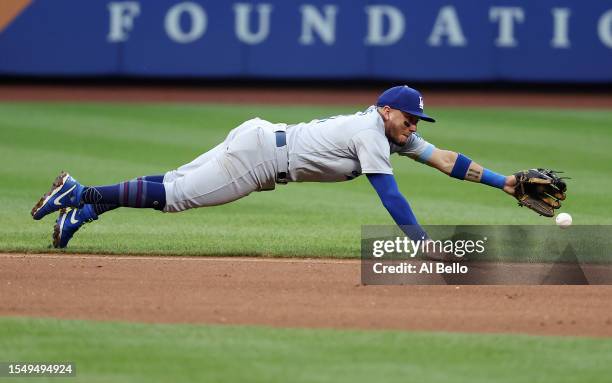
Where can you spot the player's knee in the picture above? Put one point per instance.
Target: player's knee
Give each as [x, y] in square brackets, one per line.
[176, 198]
[170, 176]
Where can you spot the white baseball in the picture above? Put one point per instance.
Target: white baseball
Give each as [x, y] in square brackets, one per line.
[563, 220]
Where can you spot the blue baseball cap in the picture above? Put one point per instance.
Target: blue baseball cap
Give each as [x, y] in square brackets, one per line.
[406, 99]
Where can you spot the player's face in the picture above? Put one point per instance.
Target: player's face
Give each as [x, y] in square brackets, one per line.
[399, 125]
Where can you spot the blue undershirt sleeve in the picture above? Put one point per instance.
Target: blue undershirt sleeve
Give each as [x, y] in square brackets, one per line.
[396, 205]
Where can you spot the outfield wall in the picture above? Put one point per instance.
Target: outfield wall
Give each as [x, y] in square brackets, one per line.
[454, 40]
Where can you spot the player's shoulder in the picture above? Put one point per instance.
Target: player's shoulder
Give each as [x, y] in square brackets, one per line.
[366, 122]
[360, 118]
[348, 124]
[370, 113]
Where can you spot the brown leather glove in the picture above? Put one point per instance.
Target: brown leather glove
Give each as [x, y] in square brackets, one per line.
[540, 190]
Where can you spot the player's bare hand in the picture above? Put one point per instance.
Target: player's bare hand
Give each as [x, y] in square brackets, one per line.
[510, 184]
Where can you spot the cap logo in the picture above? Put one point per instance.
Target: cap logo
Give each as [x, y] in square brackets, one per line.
[421, 102]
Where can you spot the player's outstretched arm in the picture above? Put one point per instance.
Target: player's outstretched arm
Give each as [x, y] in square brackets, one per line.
[461, 167]
[402, 214]
[396, 205]
[541, 190]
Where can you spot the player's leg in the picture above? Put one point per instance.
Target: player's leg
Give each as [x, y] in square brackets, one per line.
[79, 204]
[100, 208]
[208, 185]
[65, 189]
[95, 201]
[196, 163]
[246, 164]
[212, 153]
[172, 174]
[71, 219]
[67, 192]
[136, 193]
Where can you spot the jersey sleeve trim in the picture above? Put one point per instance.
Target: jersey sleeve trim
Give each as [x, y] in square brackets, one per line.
[374, 171]
[426, 154]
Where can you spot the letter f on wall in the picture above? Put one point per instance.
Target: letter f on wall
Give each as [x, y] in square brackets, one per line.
[10, 9]
[122, 15]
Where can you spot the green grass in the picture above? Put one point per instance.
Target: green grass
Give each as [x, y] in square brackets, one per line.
[122, 352]
[108, 143]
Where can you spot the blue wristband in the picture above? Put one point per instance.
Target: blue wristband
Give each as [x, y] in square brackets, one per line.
[493, 179]
[462, 164]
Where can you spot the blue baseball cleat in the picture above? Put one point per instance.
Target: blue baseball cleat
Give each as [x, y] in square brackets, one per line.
[69, 221]
[65, 192]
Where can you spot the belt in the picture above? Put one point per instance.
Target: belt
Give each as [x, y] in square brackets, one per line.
[282, 156]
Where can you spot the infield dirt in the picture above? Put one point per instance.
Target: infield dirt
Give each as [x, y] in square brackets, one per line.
[285, 293]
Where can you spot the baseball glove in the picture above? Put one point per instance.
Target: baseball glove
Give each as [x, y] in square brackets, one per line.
[540, 190]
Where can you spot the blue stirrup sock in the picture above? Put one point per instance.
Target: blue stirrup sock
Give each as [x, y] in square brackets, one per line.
[137, 193]
[103, 208]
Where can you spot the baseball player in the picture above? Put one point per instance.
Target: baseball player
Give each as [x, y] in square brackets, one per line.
[259, 154]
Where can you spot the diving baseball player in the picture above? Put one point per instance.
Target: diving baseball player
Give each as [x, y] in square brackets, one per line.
[259, 154]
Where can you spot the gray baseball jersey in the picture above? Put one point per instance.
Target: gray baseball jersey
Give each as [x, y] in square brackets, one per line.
[340, 148]
[334, 149]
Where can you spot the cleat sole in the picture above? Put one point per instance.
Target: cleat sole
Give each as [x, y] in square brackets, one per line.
[55, 187]
[57, 229]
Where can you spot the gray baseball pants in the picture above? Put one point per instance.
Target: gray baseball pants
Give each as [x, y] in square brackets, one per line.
[245, 162]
